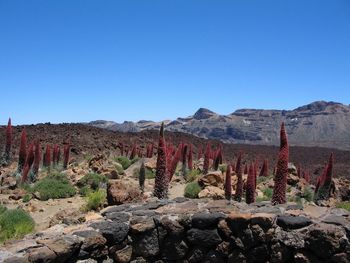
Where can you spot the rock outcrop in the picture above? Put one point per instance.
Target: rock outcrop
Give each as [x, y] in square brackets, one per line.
[183, 230]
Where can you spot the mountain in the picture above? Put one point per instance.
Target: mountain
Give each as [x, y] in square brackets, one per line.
[321, 123]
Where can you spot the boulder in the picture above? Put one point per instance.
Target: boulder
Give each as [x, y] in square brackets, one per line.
[119, 193]
[205, 238]
[293, 222]
[214, 178]
[325, 240]
[213, 192]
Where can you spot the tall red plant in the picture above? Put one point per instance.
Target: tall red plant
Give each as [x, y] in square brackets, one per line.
[207, 158]
[161, 180]
[133, 152]
[239, 185]
[22, 150]
[25, 173]
[250, 188]
[47, 156]
[325, 183]
[279, 191]
[37, 157]
[264, 169]
[8, 146]
[228, 183]
[30, 155]
[173, 162]
[66, 153]
[218, 158]
[190, 158]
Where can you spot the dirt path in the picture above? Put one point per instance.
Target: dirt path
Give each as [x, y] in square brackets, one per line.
[176, 190]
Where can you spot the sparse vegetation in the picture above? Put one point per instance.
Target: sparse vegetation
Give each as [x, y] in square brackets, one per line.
[95, 200]
[344, 205]
[222, 168]
[26, 198]
[14, 223]
[92, 180]
[192, 190]
[268, 192]
[54, 186]
[192, 175]
[124, 161]
[308, 194]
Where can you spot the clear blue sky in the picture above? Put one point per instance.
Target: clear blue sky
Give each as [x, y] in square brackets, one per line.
[70, 60]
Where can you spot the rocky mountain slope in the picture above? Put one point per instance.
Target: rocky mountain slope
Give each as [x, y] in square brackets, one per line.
[323, 124]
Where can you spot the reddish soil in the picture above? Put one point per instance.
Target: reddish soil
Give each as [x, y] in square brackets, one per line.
[88, 141]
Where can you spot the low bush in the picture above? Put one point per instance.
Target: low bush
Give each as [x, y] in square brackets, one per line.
[119, 169]
[134, 160]
[85, 190]
[14, 223]
[192, 190]
[308, 194]
[262, 198]
[192, 175]
[344, 205]
[124, 161]
[261, 179]
[26, 198]
[95, 200]
[54, 186]
[223, 168]
[92, 180]
[268, 192]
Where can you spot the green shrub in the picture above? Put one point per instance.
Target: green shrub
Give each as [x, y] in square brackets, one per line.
[124, 161]
[93, 180]
[26, 198]
[119, 169]
[15, 223]
[261, 179]
[263, 198]
[308, 194]
[54, 186]
[223, 168]
[192, 190]
[344, 205]
[268, 192]
[95, 200]
[85, 190]
[134, 160]
[2, 209]
[192, 175]
[150, 174]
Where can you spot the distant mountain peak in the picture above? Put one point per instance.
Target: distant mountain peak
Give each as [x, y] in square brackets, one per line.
[318, 106]
[203, 114]
[320, 123]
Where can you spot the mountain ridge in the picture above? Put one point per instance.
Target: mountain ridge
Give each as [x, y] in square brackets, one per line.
[320, 123]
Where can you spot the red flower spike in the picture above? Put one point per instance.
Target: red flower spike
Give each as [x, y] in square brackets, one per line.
[279, 191]
[161, 180]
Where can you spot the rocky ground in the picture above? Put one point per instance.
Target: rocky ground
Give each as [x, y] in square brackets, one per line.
[89, 141]
[183, 230]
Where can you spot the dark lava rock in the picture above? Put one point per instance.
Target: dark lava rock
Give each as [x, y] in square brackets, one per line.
[146, 244]
[114, 232]
[205, 238]
[197, 254]
[206, 220]
[325, 240]
[64, 247]
[94, 244]
[118, 217]
[173, 249]
[293, 222]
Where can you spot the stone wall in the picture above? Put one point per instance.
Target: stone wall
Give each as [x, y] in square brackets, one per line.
[184, 230]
